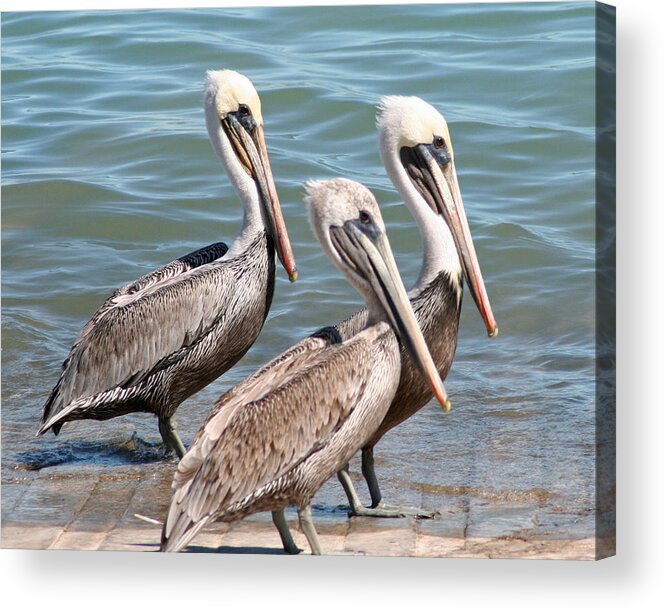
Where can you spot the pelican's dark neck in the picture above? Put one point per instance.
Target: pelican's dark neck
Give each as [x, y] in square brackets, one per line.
[442, 296]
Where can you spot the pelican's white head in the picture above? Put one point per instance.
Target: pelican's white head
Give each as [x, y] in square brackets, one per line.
[227, 90]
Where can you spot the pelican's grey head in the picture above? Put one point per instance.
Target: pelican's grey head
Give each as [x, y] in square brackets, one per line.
[332, 204]
[346, 219]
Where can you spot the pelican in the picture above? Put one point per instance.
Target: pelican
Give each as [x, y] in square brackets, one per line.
[158, 340]
[417, 152]
[274, 439]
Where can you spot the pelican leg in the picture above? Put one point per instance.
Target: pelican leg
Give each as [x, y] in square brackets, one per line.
[370, 475]
[307, 525]
[355, 505]
[378, 508]
[356, 508]
[169, 432]
[282, 526]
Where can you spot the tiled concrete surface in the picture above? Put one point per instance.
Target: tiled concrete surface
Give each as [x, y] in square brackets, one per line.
[258, 537]
[82, 509]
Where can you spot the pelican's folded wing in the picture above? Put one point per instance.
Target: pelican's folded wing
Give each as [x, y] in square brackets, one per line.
[142, 325]
[265, 427]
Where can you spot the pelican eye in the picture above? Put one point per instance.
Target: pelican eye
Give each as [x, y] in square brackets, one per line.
[365, 218]
[244, 110]
[438, 142]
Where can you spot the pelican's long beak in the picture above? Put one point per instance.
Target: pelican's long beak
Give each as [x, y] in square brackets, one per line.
[250, 147]
[367, 252]
[444, 189]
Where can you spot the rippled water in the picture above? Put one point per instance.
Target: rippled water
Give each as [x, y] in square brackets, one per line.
[107, 173]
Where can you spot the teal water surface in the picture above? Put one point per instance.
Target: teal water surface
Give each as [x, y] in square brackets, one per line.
[107, 173]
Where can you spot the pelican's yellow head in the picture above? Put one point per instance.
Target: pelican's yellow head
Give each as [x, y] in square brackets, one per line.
[228, 91]
[409, 121]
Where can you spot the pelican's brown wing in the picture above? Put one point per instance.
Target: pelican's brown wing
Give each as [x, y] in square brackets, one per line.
[277, 372]
[265, 427]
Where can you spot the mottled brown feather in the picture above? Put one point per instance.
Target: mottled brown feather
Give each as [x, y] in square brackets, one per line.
[159, 339]
[251, 454]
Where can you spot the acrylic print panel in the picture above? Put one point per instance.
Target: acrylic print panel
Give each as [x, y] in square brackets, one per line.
[107, 174]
